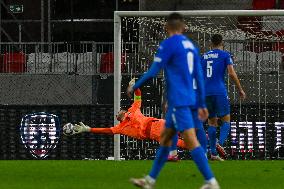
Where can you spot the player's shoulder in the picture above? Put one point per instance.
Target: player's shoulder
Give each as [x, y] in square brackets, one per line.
[206, 54]
[225, 53]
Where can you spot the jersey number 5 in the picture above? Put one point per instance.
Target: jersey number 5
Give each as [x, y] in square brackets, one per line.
[209, 68]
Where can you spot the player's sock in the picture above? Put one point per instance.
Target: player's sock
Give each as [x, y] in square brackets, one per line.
[160, 160]
[212, 139]
[201, 136]
[224, 132]
[201, 161]
[173, 148]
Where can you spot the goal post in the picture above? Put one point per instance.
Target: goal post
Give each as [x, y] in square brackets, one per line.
[117, 80]
[247, 34]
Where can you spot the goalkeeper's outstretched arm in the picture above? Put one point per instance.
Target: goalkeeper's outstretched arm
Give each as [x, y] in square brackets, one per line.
[137, 95]
[137, 92]
[81, 128]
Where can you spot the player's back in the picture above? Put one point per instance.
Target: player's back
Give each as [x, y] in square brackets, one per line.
[178, 70]
[214, 65]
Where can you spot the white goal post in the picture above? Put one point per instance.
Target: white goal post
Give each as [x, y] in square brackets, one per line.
[118, 15]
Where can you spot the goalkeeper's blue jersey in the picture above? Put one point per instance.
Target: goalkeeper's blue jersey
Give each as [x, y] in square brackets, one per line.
[180, 59]
[214, 65]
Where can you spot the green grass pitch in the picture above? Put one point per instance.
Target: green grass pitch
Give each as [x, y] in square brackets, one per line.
[110, 174]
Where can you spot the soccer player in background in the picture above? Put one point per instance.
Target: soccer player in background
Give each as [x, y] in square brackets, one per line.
[215, 63]
[132, 123]
[180, 60]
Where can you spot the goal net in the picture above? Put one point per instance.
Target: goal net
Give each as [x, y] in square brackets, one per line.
[255, 41]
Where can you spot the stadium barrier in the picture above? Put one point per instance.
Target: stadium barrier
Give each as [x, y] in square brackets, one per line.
[75, 80]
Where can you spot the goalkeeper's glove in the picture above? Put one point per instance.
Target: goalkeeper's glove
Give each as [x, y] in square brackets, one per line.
[131, 83]
[130, 87]
[81, 128]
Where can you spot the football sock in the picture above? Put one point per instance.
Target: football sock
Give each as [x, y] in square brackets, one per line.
[159, 162]
[201, 136]
[198, 156]
[224, 132]
[212, 139]
[174, 143]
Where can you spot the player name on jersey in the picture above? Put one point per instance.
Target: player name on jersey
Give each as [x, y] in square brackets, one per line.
[214, 55]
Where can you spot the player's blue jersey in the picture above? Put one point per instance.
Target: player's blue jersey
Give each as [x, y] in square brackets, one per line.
[180, 59]
[214, 65]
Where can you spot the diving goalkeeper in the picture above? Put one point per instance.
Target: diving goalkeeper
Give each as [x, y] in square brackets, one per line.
[132, 123]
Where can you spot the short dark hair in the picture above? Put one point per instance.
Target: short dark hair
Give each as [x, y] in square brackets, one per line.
[216, 39]
[175, 21]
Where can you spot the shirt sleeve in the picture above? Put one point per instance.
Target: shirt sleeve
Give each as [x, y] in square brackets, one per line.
[203, 62]
[228, 60]
[137, 95]
[135, 106]
[161, 58]
[199, 80]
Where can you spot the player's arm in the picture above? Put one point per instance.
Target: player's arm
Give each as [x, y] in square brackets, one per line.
[199, 82]
[82, 128]
[160, 59]
[137, 97]
[137, 92]
[200, 89]
[234, 77]
[137, 101]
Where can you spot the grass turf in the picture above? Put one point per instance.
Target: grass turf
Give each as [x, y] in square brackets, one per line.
[109, 174]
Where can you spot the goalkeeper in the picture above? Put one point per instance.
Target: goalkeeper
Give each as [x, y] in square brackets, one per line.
[132, 123]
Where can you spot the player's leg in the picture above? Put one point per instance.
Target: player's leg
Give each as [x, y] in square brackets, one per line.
[173, 156]
[161, 155]
[155, 134]
[198, 154]
[224, 113]
[212, 130]
[201, 137]
[160, 160]
[224, 129]
[185, 124]
[163, 152]
[212, 123]
[200, 132]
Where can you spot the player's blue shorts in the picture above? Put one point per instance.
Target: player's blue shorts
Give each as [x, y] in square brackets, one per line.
[218, 105]
[179, 118]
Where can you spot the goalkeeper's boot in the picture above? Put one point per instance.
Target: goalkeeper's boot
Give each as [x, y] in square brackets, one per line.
[81, 128]
[221, 151]
[211, 185]
[216, 158]
[144, 183]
